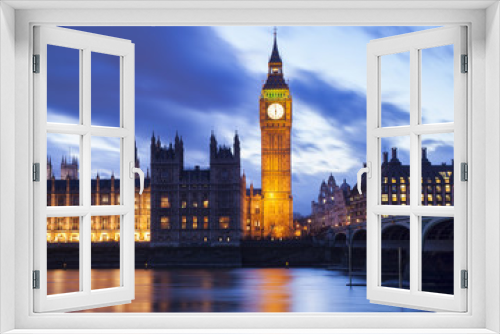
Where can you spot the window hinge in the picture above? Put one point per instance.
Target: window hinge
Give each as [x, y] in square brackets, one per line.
[465, 64]
[36, 172]
[465, 279]
[36, 63]
[36, 279]
[464, 171]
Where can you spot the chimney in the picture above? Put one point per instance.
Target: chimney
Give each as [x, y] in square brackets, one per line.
[394, 154]
[386, 157]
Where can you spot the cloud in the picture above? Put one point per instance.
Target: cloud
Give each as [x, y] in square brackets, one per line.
[197, 79]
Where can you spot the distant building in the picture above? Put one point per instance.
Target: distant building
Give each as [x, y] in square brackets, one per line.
[66, 191]
[341, 205]
[195, 206]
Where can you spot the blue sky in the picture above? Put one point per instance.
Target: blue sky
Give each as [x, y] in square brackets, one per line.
[197, 79]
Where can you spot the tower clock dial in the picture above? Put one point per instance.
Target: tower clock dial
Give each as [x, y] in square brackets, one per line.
[275, 111]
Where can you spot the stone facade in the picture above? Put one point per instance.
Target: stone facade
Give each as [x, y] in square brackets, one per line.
[195, 206]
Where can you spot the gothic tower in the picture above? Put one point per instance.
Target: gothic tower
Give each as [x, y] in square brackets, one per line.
[276, 126]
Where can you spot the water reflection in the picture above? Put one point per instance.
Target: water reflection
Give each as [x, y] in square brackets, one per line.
[234, 290]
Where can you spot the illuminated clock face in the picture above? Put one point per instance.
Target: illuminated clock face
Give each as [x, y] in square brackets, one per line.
[275, 111]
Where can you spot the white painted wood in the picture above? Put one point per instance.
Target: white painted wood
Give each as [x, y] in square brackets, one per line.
[7, 167]
[86, 43]
[415, 298]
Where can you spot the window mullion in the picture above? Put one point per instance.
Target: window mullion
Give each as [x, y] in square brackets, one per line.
[85, 180]
[415, 185]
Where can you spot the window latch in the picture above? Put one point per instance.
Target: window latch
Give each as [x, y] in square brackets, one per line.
[134, 170]
[368, 171]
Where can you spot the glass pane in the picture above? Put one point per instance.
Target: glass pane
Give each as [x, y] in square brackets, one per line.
[105, 171]
[105, 90]
[395, 89]
[63, 85]
[63, 184]
[437, 84]
[395, 236]
[437, 169]
[63, 255]
[437, 254]
[105, 252]
[395, 171]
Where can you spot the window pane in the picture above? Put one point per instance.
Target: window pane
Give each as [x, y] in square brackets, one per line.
[63, 255]
[437, 254]
[437, 169]
[395, 235]
[395, 172]
[105, 171]
[395, 89]
[63, 85]
[437, 84]
[105, 252]
[105, 90]
[63, 184]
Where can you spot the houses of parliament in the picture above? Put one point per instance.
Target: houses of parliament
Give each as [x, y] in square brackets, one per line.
[201, 206]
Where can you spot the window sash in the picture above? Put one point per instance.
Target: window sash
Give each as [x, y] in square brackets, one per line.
[86, 43]
[415, 298]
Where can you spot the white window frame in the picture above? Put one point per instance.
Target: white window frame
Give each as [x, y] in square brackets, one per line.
[414, 43]
[85, 43]
[484, 103]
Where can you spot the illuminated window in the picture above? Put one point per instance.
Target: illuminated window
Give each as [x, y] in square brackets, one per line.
[104, 198]
[205, 222]
[228, 239]
[165, 223]
[205, 204]
[385, 197]
[195, 222]
[447, 188]
[393, 180]
[439, 198]
[394, 197]
[205, 239]
[183, 204]
[165, 201]
[220, 239]
[429, 189]
[438, 180]
[403, 188]
[403, 197]
[438, 189]
[248, 227]
[402, 180]
[385, 179]
[448, 198]
[429, 197]
[184, 222]
[195, 204]
[256, 223]
[224, 223]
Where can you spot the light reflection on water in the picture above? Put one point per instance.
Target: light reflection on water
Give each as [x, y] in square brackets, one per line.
[232, 290]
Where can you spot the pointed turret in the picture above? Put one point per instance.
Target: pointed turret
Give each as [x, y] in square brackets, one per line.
[236, 145]
[275, 78]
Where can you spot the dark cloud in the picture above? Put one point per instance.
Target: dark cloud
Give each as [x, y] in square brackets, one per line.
[190, 80]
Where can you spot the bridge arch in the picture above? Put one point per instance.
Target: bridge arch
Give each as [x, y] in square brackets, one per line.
[340, 240]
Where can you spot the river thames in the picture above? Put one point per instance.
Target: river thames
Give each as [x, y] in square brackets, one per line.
[231, 290]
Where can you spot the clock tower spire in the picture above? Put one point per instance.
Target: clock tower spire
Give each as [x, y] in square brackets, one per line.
[276, 124]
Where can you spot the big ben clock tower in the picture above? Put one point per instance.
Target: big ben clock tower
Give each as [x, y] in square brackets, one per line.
[276, 126]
